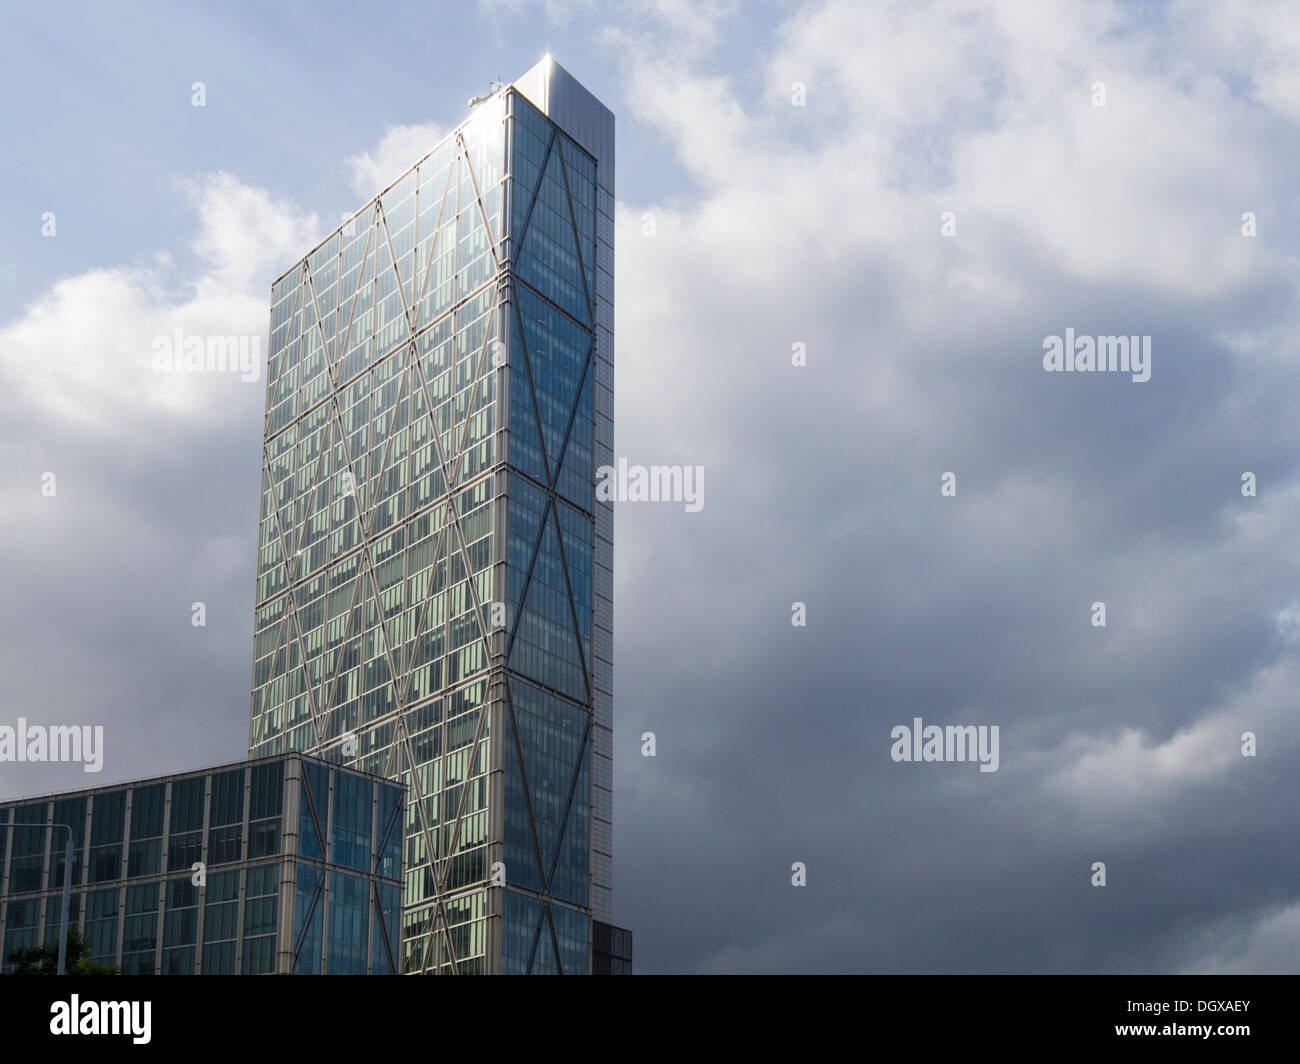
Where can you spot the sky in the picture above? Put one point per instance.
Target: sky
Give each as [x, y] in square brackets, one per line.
[907, 198]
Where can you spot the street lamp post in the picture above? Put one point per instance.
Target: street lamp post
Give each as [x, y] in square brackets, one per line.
[67, 899]
[68, 892]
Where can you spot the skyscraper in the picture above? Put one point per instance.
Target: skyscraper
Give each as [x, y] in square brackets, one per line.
[434, 583]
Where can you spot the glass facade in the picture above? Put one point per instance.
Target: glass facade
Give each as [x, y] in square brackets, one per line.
[435, 575]
[611, 950]
[186, 875]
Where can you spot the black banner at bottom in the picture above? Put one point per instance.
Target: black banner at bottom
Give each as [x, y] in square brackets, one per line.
[375, 1016]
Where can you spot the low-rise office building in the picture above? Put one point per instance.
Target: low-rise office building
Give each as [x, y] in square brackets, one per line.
[279, 865]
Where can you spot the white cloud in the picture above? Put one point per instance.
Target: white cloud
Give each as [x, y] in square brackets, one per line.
[557, 11]
[985, 110]
[246, 238]
[1130, 782]
[81, 356]
[398, 150]
[142, 522]
[824, 220]
[1256, 41]
[1268, 946]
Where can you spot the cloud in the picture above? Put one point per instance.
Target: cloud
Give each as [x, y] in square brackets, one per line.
[1252, 43]
[400, 148]
[556, 11]
[820, 224]
[1268, 946]
[155, 494]
[82, 355]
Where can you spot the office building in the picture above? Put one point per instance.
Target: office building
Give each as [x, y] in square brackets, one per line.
[435, 575]
[277, 866]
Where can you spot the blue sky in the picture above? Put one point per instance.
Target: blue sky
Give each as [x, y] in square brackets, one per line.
[772, 225]
[293, 90]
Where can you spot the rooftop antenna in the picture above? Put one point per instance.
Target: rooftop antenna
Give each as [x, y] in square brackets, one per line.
[493, 88]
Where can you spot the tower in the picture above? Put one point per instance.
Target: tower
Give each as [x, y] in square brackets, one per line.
[434, 597]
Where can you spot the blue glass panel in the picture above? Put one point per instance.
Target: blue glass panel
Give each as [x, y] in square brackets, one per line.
[557, 354]
[350, 822]
[520, 917]
[545, 646]
[556, 766]
[308, 917]
[314, 789]
[187, 805]
[572, 932]
[70, 811]
[547, 259]
[384, 922]
[389, 850]
[345, 952]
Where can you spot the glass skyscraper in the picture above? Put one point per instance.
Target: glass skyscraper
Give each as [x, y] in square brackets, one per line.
[434, 582]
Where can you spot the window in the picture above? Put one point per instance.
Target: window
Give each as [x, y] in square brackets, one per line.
[184, 850]
[54, 913]
[101, 925]
[348, 924]
[180, 927]
[107, 823]
[314, 795]
[226, 818]
[351, 820]
[265, 801]
[261, 903]
[140, 930]
[220, 913]
[22, 925]
[308, 916]
[389, 850]
[28, 848]
[385, 946]
[70, 811]
[187, 806]
[144, 852]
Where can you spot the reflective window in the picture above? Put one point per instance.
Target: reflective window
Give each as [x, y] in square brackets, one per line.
[144, 853]
[187, 804]
[390, 827]
[313, 810]
[54, 913]
[72, 812]
[226, 818]
[107, 826]
[261, 903]
[348, 924]
[27, 857]
[22, 926]
[385, 946]
[266, 799]
[102, 910]
[220, 915]
[140, 929]
[308, 917]
[350, 820]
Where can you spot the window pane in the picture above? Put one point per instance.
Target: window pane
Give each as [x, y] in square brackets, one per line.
[351, 820]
